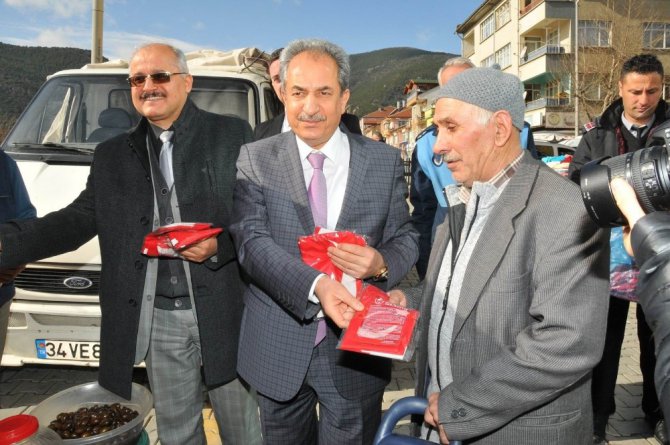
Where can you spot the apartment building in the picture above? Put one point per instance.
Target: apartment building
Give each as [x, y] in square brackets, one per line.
[566, 84]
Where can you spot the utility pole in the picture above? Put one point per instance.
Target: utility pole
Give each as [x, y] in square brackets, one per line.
[96, 31]
[575, 88]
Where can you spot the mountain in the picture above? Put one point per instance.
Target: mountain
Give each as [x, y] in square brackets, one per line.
[379, 77]
[24, 69]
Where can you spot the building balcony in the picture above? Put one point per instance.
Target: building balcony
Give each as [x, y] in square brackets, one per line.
[541, 51]
[546, 102]
[548, 59]
[542, 13]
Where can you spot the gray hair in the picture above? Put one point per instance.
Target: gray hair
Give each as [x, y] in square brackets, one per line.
[454, 61]
[296, 47]
[179, 56]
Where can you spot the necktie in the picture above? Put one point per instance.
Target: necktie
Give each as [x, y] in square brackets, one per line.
[318, 196]
[639, 130]
[318, 200]
[165, 158]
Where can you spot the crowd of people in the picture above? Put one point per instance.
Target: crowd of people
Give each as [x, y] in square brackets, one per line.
[518, 338]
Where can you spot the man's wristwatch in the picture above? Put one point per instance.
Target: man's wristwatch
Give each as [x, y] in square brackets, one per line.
[383, 274]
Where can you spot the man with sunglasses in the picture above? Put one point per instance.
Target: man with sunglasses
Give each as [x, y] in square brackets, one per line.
[181, 316]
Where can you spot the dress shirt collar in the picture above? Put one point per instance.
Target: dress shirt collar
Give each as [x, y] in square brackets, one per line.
[330, 149]
[284, 125]
[497, 181]
[628, 124]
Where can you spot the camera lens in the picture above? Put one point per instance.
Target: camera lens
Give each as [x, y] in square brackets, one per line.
[646, 170]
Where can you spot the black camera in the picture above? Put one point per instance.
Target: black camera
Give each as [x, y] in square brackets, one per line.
[647, 170]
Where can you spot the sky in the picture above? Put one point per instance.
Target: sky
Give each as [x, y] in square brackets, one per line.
[356, 25]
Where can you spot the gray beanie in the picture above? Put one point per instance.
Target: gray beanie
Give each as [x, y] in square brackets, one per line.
[489, 89]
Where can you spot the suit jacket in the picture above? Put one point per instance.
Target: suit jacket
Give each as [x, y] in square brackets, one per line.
[272, 127]
[269, 128]
[117, 205]
[272, 211]
[530, 322]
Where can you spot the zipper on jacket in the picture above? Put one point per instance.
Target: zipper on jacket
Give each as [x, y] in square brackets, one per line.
[455, 253]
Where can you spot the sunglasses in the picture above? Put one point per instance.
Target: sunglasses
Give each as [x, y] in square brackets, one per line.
[157, 78]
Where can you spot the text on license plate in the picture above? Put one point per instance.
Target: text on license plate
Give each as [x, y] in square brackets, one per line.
[67, 350]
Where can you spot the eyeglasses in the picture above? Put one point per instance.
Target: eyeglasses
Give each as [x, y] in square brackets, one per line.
[157, 78]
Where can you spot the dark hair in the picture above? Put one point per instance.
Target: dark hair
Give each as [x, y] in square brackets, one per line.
[274, 55]
[642, 64]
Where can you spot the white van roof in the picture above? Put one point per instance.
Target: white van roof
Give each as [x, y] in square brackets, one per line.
[235, 61]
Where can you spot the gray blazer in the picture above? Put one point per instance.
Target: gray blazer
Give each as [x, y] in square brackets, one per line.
[271, 211]
[530, 322]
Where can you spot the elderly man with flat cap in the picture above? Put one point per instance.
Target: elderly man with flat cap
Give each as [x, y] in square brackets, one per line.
[512, 321]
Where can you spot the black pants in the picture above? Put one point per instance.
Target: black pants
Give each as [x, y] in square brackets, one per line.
[605, 373]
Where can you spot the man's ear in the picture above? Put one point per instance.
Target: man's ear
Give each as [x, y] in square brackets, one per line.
[503, 126]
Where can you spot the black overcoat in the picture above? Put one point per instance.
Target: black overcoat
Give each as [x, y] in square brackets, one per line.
[117, 205]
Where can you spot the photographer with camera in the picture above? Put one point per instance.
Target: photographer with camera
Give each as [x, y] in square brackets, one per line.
[625, 127]
[648, 238]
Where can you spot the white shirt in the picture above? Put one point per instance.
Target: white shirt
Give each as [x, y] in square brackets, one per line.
[336, 171]
[284, 125]
[628, 124]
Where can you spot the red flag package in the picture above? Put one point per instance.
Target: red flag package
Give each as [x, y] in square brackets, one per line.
[314, 253]
[167, 241]
[381, 328]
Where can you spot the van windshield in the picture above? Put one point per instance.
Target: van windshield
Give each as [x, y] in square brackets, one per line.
[71, 114]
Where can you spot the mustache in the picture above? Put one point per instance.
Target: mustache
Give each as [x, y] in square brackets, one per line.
[151, 94]
[439, 159]
[304, 117]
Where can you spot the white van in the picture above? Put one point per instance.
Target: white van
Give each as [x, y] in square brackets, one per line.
[55, 316]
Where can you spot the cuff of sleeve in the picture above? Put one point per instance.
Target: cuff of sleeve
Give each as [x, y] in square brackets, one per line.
[312, 296]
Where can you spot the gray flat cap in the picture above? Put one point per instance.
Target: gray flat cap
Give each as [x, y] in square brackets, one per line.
[489, 89]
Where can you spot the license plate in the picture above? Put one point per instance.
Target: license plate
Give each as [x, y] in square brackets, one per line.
[67, 350]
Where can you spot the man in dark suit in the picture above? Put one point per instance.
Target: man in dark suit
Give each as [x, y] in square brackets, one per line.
[512, 323]
[279, 123]
[354, 183]
[180, 315]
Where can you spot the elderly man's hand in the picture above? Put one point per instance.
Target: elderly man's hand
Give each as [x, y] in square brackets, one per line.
[7, 275]
[431, 416]
[201, 251]
[356, 261]
[627, 202]
[336, 301]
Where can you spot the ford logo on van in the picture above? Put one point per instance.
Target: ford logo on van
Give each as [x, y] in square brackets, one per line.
[78, 283]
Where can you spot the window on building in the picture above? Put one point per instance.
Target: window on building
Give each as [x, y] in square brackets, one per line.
[490, 60]
[533, 92]
[594, 33]
[503, 56]
[552, 37]
[553, 89]
[593, 89]
[532, 43]
[656, 35]
[503, 15]
[488, 27]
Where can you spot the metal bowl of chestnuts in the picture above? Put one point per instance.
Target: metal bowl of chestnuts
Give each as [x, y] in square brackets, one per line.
[89, 414]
